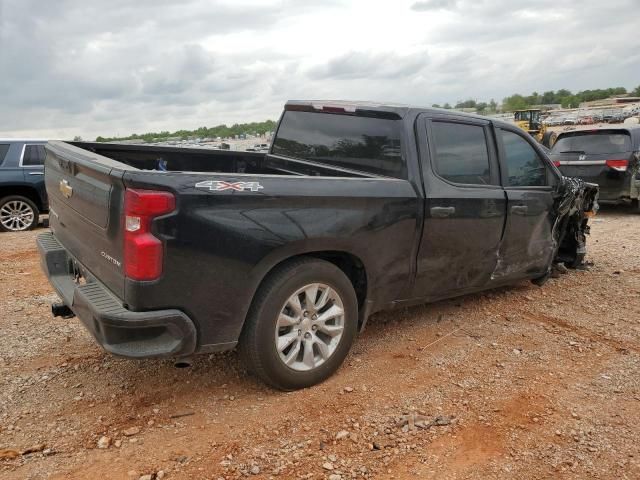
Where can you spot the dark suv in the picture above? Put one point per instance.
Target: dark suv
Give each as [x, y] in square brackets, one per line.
[608, 156]
[22, 193]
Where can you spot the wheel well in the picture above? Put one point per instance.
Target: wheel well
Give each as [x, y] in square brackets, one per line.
[350, 265]
[23, 191]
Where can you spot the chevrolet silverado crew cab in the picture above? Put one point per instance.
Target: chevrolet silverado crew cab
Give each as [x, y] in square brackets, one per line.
[22, 192]
[356, 208]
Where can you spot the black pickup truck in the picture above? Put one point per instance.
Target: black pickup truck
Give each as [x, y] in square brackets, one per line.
[356, 208]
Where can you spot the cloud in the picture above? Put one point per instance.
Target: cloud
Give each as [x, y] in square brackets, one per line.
[434, 5]
[117, 67]
[368, 65]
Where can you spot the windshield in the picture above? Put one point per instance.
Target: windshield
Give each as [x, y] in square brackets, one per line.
[593, 143]
[362, 143]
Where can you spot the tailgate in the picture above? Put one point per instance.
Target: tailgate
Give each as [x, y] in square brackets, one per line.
[85, 193]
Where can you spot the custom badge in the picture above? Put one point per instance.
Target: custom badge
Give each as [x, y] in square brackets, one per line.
[220, 186]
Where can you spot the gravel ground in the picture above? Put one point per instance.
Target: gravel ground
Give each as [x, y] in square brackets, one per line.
[521, 382]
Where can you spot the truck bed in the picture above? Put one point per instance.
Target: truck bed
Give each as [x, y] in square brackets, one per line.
[180, 159]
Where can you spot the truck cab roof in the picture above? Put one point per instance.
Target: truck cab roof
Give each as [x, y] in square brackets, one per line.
[397, 109]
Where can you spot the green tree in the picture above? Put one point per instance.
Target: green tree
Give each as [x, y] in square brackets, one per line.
[514, 102]
[222, 131]
[466, 104]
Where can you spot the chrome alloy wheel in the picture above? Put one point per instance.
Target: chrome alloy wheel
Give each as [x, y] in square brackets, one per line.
[309, 327]
[16, 215]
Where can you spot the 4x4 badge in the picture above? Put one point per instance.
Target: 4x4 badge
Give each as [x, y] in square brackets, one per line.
[219, 186]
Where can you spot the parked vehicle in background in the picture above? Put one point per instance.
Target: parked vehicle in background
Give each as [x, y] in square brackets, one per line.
[22, 191]
[553, 121]
[259, 147]
[608, 156]
[357, 208]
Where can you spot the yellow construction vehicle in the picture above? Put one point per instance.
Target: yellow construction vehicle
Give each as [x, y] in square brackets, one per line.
[530, 121]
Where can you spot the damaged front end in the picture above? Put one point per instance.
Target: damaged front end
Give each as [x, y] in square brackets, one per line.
[577, 201]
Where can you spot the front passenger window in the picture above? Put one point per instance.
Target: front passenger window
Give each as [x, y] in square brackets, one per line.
[524, 166]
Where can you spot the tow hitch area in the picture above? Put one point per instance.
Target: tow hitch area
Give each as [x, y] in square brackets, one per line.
[61, 310]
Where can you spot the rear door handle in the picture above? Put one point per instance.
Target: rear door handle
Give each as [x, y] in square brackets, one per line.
[36, 173]
[519, 209]
[442, 212]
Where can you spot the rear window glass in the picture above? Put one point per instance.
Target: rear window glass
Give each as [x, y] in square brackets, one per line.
[361, 143]
[593, 143]
[4, 148]
[33, 155]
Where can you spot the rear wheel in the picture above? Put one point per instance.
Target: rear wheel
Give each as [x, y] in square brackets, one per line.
[635, 205]
[18, 213]
[301, 324]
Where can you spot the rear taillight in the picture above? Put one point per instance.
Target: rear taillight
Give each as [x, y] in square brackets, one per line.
[143, 253]
[556, 163]
[619, 165]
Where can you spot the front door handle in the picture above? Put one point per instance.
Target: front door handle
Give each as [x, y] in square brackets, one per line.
[519, 209]
[442, 212]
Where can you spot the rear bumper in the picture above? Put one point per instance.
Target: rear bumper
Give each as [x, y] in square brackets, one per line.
[612, 189]
[158, 333]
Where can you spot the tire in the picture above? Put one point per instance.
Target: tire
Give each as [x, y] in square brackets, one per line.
[635, 205]
[549, 139]
[272, 322]
[27, 213]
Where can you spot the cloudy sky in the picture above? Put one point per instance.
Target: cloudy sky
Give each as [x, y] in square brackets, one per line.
[115, 67]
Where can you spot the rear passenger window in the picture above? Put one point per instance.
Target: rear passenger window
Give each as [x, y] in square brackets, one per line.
[524, 166]
[33, 155]
[461, 154]
[4, 148]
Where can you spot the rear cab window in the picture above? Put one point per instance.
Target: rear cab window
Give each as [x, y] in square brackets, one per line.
[594, 142]
[357, 142]
[33, 156]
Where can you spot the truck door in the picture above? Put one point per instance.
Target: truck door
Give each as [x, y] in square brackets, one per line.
[530, 184]
[465, 206]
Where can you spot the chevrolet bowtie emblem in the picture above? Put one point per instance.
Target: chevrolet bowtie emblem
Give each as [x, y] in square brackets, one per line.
[66, 189]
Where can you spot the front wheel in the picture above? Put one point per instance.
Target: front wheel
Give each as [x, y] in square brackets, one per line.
[18, 213]
[301, 324]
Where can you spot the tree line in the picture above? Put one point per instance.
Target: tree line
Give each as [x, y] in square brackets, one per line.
[222, 131]
[563, 97]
